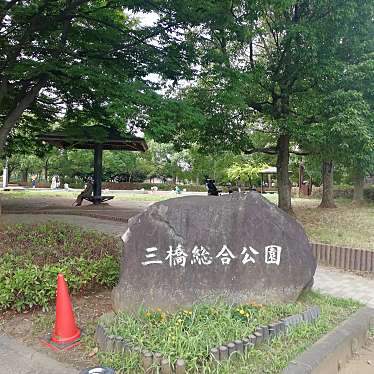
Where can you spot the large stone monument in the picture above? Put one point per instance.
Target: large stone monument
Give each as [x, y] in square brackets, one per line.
[239, 248]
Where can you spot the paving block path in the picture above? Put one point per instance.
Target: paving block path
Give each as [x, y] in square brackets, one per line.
[105, 226]
[344, 284]
[16, 358]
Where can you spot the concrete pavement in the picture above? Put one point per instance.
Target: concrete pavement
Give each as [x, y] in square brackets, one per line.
[343, 284]
[16, 358]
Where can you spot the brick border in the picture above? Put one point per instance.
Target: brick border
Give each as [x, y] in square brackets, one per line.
[154, 361]
[343, 257]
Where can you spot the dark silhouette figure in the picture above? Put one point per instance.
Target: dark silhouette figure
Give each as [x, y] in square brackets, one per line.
[211, 187]
[87, 192]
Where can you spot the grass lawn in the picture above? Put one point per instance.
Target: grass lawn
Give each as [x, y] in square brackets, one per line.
[347, 225]
[190, 334]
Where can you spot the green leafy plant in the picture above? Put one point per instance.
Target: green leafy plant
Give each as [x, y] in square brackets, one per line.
[33, 255]
[191, 333]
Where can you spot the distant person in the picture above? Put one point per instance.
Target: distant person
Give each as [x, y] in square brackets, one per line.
[211, 187]
[57, 181]
[177, 190]
[33, 181]
[87, 192]
[54, 183]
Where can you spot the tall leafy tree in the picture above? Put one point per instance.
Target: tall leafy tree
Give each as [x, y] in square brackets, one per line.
[258, 60]
[339, 128]
[85, 61]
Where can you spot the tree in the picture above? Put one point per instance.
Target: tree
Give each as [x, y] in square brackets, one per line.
[85, 61]
[340, 133]
[119, 164]
[340, 126]
[245, 172]
[362, 79]
[259, 59]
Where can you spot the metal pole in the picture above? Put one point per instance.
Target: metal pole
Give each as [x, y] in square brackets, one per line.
[98, 169]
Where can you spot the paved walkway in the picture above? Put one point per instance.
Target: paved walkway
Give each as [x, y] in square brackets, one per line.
[17, 358]
[120, 210]
[105, 226]
[344, 284]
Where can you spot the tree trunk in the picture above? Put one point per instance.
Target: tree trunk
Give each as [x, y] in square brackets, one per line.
[15, 114]
[46, 167]
[328, 185]
[358, 186]
[301, 178]
[283, 181]
[25, 174]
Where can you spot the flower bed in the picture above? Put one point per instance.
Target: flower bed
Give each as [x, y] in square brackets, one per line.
[190, 335]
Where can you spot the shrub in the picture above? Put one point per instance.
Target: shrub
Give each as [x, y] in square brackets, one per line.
[33, 255]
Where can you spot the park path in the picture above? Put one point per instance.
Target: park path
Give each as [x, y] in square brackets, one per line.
[344, 284]
[341, 283]
[17, 358]
[106, 226]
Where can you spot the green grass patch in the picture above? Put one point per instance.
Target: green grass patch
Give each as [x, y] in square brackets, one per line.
[190, 334]
[33, 255]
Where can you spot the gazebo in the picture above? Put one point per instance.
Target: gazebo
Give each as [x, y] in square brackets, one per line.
[269, 172]
[98, 138]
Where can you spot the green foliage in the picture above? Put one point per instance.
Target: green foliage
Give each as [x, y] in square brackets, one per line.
[29, 285]
[33, 255]
[83, 63]
[160, 160]
[245, 172]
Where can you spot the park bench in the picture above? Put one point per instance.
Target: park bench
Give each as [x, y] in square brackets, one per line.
[98, 199]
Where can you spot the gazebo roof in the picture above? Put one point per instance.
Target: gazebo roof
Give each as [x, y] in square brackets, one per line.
[90, 136]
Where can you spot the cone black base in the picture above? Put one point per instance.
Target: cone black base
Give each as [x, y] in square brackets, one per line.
[46, 341]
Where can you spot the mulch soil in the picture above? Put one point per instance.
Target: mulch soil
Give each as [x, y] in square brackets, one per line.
[29, 327]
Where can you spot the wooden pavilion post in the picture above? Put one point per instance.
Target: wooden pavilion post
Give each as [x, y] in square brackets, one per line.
[98, 170]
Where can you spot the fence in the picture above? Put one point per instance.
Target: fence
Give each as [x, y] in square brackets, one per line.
[343, 257]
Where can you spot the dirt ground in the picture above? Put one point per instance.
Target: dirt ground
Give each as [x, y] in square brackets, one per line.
[362, 363]
[120, 210]
[29, 327]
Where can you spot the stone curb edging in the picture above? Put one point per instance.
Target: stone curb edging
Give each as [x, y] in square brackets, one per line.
[332, 351]
[343, 257]
[262, 334]
[150, 360]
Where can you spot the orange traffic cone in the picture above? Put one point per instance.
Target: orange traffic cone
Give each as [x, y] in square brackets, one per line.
[65, 334]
